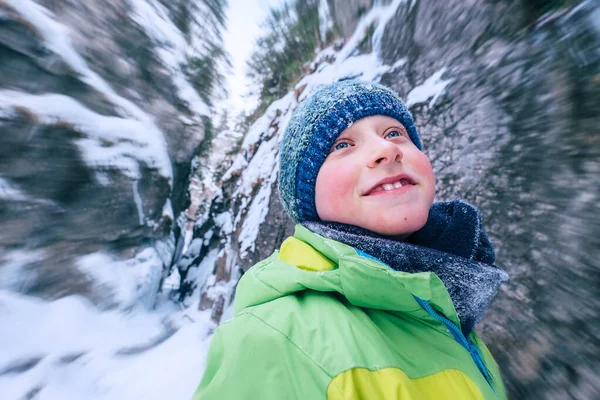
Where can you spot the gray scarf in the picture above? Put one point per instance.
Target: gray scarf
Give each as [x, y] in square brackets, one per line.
[452, 244]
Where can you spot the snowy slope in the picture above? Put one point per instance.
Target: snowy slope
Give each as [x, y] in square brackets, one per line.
[67, 350]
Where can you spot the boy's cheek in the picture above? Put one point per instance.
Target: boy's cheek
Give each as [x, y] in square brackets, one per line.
[423, 167]
[333, 190]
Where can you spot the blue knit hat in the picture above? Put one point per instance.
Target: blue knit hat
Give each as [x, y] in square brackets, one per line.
[315, 125]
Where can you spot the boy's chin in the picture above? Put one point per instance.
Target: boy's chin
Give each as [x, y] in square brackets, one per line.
[399, 229]
[398, 235]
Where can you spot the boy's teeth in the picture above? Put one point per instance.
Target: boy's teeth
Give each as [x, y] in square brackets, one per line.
[390, 186]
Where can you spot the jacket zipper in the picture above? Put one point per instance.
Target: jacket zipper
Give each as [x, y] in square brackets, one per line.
[461, 339]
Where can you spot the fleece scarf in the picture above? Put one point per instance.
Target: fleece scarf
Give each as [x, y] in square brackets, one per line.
[452, 244]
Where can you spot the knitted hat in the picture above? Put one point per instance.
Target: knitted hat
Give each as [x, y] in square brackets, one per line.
[313, 128]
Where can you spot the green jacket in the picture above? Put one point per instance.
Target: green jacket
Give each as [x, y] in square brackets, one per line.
[319, 320]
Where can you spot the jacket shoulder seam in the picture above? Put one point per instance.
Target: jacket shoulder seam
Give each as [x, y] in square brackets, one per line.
[249, 312]
[256, 274]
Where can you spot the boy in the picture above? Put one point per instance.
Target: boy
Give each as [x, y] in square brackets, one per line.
[377, 293]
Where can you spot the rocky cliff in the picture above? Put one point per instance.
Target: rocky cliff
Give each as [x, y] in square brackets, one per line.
[103, 105]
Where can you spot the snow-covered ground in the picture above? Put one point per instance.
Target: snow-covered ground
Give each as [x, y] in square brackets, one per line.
[69, 350]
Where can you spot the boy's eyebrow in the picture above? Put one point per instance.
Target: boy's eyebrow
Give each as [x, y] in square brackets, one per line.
[398, 125]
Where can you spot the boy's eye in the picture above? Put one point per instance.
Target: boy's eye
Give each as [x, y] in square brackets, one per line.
[394, 133]
[340, 146]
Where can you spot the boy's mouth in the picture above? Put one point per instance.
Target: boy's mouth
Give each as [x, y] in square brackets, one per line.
[391, 183]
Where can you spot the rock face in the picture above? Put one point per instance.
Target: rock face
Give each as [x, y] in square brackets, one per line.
[347, 13]
[505, 95]
[517, 134]
[99, 120]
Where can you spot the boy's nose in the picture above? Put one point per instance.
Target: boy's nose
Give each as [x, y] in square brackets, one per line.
[385, 152]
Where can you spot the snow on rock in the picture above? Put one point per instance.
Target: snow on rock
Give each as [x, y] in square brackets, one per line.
[130, 281]
[138, 201]
[383, 15]
[10, 192]
[325, 20]
[260, 174]
[400, 63]
[15, 274]
[432, 89]
[225, 222]
[260, 168]
[171, 48]
[238, 163]
[137, 137]
[259, 208]
[203, 191]
[85, 353]
[260, 128]
[378, 16]
[201, 276]
[366, 67]
[108, 142]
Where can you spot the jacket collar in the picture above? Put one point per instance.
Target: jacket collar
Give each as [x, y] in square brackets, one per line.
[362, 280]
[471, 283]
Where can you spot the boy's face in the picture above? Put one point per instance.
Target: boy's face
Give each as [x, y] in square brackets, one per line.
[376, 178]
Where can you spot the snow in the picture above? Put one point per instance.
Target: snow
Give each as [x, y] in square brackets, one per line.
[259, 208]
[202, 274]
[109, 142]
[188, 235]
[325, 20]
[261, 171]
[10, 192]
[260, 167]
[85, 353]
[366, 67]
[432, 89]
[138, 201]
[238, 163]
[400, 63]
[225, 222]
[379, 16]
[14, 274]
[167, 210]
[129, 281]
[220, 146]
[172, 282]
[102, 178]
[261, 127]
[172, 48]
[146, 134]
[384, 15]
